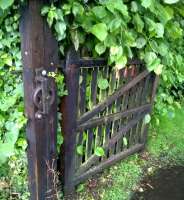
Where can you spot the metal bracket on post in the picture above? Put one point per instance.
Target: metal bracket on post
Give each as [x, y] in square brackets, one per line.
[43, 95]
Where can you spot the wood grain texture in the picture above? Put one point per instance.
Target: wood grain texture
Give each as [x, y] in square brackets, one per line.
[39, 50]
[69, 109]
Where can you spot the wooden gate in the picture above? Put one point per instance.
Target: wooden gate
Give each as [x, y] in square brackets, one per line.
[103, 113]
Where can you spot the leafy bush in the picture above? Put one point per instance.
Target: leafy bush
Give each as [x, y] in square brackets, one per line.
[11, 90]
[149, 29]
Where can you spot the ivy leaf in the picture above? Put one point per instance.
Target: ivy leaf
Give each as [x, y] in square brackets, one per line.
[150, 57]
[163, 49]
[159, 30]
[164, 13]
[174, 30]
[103, 83]
[80, 150]
[80, 188]
[158, 70]
[139, 24]
[99, 151]
[100, 31]
[147, 119]
[140, 42]
[114, 24]
[23, 143]
[100, 48]
[77, 9]
[99, 11]
[125, 142]
[75, 39]
[6, 150]
[66, 9]
[151, 60]
[4, 4]
[134, 6]
[121, 62]
[171, 1]
[117, 5]
[146, 3]
[45, 10]
[12, 133]
[60, 28]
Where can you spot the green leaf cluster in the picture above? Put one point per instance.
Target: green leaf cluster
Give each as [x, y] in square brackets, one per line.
[11, 90]
[121, 29]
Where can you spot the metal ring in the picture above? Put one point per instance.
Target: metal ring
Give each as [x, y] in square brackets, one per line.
[37, 97]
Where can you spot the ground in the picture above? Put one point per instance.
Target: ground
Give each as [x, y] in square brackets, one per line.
[156, 174]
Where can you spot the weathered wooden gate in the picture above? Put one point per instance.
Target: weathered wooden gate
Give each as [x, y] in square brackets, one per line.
[107, 118]
[106, 115]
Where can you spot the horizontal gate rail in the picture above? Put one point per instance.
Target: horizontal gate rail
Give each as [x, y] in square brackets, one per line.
[122, 132]
[112, 117]
[94, 62]
[107, 163]
[113, 97]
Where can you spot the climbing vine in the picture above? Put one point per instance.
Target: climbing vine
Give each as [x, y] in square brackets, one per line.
[151, 30]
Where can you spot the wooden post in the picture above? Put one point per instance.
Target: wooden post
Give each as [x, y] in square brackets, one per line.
[40, 55]
[69, 116]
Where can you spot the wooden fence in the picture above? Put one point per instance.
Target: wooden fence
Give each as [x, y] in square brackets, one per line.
[109, 118]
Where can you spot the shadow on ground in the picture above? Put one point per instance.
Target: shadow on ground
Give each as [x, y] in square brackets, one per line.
[165, 184]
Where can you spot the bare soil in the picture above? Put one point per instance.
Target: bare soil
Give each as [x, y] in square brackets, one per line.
[165, 184]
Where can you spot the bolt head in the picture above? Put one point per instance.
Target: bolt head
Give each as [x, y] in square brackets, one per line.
[44, 73]
[38, 116]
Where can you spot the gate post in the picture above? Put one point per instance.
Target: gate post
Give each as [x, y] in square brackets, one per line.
[69, 119]
[40, 55]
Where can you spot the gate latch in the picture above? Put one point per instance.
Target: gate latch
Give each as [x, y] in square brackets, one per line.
[44, 94]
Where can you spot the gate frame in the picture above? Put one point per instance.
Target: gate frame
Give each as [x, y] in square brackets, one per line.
[70, 122]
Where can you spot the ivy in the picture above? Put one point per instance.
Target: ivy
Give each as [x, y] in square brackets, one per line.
[4, 4]
[135, 28]
[11, 89]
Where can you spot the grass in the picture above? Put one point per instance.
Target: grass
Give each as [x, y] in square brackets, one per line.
[167, 140]
[165, 147]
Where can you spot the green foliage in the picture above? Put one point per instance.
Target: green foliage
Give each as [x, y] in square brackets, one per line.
[13, 178]
[99, 151]
[4, 4]
[134, 27]
[11, 90]
[147, 119]
[167, 139]
[149, 29]
[103, 83]
[80, 150]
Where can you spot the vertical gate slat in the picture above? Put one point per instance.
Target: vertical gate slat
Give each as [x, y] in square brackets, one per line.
[82, 96]
[154, 82]
[112, 89]
[94, 86]
[69, 107]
